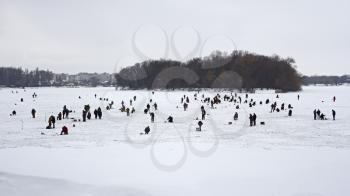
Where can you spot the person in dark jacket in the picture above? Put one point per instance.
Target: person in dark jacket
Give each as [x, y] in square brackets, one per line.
[99, 113]
[170, 119]
[315, 114]
[250, 119]
[33, 112]
[127, 111]
[59, 116]
[200, 124]
[84, 115]
[235, 117]
[185, 106]
[152, 116]
[147, 130]
[203, 113]
[333, 114]
[254, 119]
[95, 113]
[52, 122]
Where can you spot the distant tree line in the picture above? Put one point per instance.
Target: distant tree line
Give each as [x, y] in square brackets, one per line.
[238, 70]
[326, 80]
[17, 77]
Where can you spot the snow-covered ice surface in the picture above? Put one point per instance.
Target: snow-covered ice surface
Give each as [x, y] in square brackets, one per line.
[289, 156]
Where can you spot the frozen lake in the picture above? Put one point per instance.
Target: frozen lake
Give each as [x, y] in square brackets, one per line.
[288, 156]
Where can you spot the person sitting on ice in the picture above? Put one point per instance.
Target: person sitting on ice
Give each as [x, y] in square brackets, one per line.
[64, 130]
[147, 130]
[290, 112]
[235, 117]
[13, 113]
[282, 106]
[170, 119]
[132, 110]
[323, 117]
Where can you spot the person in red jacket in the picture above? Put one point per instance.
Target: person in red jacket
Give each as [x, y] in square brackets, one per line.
[64, 130]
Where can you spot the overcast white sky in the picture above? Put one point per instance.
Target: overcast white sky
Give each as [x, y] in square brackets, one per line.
[96, 36]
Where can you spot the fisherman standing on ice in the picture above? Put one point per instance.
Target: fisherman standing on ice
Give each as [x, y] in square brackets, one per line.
[315, 114]
[250, 119]
[99, 113]
[84, 115]
[155, 106]
[59, 116]
[88, 116]
[95, 113]
[203, 112]
[33, 112]
[185, 106]
[254, 119]
[152, 117]
[333, 114]
[200, 124]
[127, 112]
[235, 117]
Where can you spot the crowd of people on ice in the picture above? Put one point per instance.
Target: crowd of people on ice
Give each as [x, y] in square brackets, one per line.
[151, 107]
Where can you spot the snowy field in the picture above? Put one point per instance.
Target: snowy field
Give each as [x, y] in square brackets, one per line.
[289, 156]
